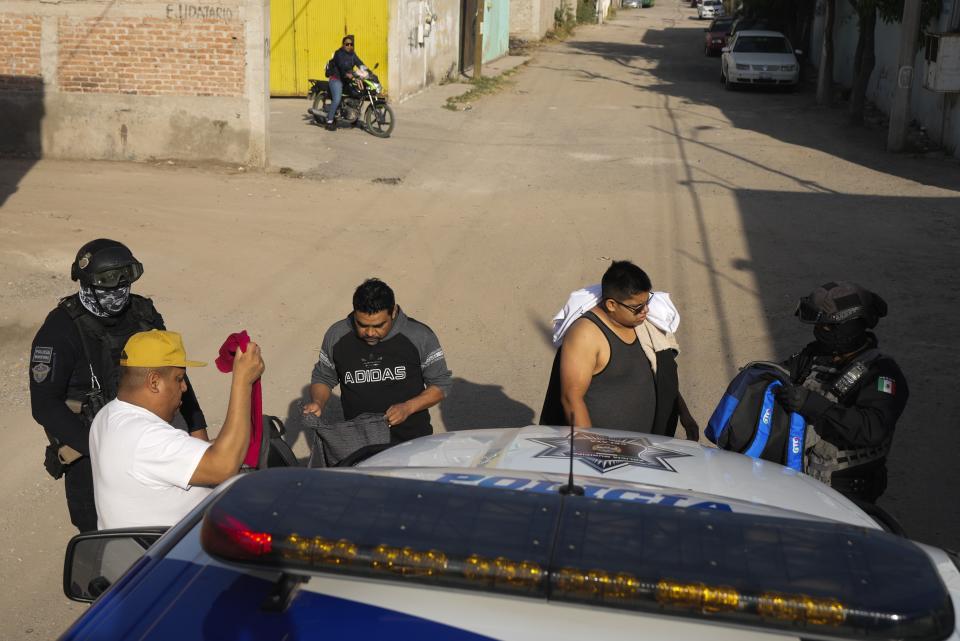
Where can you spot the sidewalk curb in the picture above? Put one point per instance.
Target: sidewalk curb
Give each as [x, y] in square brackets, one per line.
[504, 66]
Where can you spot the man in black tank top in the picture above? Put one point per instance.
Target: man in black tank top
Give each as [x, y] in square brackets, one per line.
[605, 378]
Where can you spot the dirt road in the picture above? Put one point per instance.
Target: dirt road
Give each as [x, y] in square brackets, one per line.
[620, 143]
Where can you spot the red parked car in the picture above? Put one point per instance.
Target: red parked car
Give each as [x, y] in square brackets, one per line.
[715, 36]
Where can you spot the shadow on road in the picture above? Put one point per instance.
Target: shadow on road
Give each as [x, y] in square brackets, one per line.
[674, 58]
[882, 243]
[477, 406]
[21, 112]
[905, 247]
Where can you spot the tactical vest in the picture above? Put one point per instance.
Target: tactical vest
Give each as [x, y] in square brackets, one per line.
[102, 342]
[825, 458]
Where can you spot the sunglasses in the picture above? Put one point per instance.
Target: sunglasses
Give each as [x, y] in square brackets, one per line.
[636, 309]
[347, 44]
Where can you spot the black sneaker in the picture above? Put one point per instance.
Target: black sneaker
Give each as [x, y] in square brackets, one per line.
[331, 125]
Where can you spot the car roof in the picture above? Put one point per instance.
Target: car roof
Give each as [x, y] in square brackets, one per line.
[612, 463]
[759, 33]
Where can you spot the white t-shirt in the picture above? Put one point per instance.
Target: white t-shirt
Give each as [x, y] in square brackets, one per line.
[142, 467]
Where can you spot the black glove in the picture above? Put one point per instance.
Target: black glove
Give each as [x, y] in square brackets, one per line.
[792, 397]
[51, 461]
[796, 398]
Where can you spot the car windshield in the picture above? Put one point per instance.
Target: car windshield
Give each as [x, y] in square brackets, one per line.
[711, 3]
[721, 25]
[762, 44]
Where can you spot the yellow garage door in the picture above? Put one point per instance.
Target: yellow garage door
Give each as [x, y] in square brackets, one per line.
[305, 33]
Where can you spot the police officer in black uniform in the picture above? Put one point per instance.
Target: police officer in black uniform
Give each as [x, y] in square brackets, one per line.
[74, 365]
[850, 393]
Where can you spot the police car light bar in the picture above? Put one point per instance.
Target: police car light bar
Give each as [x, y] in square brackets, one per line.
[805, 578]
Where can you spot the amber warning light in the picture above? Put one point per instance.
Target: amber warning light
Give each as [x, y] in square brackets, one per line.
[801, 577]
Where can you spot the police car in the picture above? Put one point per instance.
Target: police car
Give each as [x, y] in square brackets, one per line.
[532, 533]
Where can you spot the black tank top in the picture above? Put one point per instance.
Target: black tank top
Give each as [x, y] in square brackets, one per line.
[623, 394]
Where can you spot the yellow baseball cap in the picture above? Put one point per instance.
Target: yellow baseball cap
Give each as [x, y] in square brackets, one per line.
[156, 348]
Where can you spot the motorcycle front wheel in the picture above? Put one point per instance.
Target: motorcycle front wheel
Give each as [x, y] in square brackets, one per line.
[379, 120]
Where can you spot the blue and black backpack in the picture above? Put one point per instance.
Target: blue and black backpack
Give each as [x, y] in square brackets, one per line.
[750, 421]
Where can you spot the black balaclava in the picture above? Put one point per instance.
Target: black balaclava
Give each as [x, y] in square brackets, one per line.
[105, 302]
[842, 338]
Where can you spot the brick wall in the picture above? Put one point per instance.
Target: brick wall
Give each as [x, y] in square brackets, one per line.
[151, 56]
[19, 52]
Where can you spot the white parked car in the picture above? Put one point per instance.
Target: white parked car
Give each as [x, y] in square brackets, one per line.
[759, 58]
[710, 9]
[480, 535]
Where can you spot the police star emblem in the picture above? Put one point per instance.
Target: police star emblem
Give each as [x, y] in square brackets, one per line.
[607, 453]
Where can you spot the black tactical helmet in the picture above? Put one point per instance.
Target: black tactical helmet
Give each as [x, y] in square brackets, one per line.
[105, 263]
[838, 302]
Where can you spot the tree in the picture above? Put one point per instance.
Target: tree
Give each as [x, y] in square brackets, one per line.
[825, 73]
[864, 60]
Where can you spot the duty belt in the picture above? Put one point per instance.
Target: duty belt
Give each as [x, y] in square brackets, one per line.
[824, 459]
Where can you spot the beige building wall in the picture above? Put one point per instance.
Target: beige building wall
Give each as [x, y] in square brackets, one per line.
[135, 80]
[531, 19]
[424, 45]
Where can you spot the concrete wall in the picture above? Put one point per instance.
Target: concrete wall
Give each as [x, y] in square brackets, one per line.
[939, 113]
[531, 19]
[137, 80]
[424, 44]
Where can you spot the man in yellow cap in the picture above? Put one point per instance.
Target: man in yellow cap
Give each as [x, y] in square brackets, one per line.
[145, 471]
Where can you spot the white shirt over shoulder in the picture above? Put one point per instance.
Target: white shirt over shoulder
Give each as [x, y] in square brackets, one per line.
[142, 467]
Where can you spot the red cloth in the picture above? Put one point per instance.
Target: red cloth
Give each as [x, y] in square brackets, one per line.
[225, 364]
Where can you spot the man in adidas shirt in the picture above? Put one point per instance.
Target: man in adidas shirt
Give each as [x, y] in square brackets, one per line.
[385, 363]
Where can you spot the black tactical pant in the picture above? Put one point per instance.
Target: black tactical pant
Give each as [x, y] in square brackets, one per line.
[78, 481]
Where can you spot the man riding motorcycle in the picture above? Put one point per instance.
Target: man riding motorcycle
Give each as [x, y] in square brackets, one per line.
[340, 67]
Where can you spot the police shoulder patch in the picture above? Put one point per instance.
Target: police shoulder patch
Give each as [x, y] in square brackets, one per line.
[42, 354]
[40, 371]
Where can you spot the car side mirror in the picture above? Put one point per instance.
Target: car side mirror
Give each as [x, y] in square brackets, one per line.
[95, 560]
[798, 52]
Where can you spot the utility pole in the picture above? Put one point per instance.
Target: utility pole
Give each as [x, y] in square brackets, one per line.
[478, 39]
[900, 111]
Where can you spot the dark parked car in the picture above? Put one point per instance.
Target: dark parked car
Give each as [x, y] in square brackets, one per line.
[715, 36]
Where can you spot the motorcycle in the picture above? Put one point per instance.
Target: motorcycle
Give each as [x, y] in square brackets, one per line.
[365, 89]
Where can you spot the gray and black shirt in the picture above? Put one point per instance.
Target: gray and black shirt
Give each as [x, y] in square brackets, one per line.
[374, 377]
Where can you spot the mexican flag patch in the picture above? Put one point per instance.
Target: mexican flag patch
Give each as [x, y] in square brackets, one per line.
[886, 385]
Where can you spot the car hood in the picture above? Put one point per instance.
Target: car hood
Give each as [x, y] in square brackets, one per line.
[617, 465]
[764, 58]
